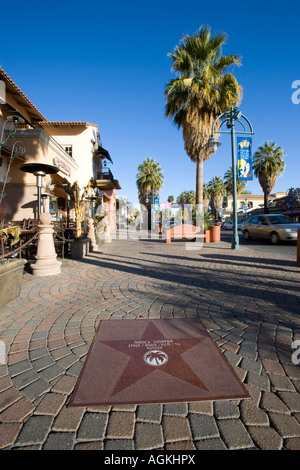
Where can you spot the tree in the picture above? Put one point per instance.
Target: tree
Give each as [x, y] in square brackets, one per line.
[77, 196]
[228, 183]
[204, 89]
[171, 199]
[268, 164]
[217, 191]
[149, 178]
[187, 197]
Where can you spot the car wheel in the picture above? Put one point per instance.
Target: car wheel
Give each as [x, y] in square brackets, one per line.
[247, 235]
[274, 238]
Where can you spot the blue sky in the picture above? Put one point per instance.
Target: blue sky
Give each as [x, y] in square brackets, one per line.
[106, 63]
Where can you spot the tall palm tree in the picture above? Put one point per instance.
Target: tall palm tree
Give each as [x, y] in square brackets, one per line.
[149, 178]
[204, 89]
[217, 191]
[268, 164]
[228, 182]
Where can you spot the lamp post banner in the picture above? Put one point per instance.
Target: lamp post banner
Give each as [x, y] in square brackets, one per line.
[156, 203]
[244, 158]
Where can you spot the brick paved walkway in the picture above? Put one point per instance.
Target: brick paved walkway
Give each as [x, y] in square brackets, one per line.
[248, 302]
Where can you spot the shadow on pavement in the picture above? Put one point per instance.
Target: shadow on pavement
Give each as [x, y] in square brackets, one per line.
[240, 283]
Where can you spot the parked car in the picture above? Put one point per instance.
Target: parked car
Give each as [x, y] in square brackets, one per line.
[227, 225]
[273, 227]
[168, 224]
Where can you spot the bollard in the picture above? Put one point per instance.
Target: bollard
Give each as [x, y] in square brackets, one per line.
[298, 247]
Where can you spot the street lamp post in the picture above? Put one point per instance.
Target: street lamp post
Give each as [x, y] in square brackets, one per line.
[230, 117]
[92, 198]
[39, 170]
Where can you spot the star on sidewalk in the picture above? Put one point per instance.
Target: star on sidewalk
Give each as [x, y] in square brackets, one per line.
[137, 368]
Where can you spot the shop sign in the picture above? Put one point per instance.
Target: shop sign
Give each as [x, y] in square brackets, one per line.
[63, 167]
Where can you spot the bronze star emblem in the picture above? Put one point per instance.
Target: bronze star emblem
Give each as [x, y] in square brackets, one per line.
[153, 351]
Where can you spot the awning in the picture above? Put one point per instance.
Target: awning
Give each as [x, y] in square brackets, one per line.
[102, 153]
[117, 184]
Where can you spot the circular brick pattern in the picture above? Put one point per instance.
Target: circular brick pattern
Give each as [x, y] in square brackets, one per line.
[247, 300]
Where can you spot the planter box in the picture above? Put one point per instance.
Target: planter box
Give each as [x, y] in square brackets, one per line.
[79, 248]
[207, 236]
[11, 275]
[215, 233]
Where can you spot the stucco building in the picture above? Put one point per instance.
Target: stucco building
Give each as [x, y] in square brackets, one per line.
[250, 201]
[73, 148]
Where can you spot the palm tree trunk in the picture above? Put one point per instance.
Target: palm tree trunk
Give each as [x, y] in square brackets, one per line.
[266, 203]
[199, 181]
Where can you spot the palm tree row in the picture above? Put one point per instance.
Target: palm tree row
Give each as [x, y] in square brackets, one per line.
[213, 191]
[268, 164]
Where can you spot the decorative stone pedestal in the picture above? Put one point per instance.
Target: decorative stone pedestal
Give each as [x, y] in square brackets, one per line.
[91, 236]
[46, 263]
[107, 238]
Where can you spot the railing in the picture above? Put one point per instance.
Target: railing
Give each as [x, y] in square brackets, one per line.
[27, 243]
[105, 175]
[7, 252]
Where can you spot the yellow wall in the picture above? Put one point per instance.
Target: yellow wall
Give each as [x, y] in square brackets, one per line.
[21, 191]
[81, 138]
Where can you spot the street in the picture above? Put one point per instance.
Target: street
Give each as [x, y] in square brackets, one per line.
[283, 248]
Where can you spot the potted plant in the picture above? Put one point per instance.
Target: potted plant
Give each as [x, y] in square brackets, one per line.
[79, 240]
[208, 223]
[11, 269]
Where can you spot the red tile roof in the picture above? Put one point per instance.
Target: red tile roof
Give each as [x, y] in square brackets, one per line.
[66, 123]
[12, 84]
[41, 120]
